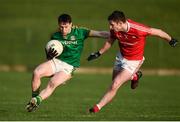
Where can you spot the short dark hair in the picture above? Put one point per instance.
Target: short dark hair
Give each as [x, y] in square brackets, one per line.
[117, 16]
[64, 18]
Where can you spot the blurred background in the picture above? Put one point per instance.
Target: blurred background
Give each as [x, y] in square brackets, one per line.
[26, 25]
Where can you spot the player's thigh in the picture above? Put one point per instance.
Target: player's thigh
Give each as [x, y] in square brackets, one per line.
[139, 65]
[44, 69]
[122, 77]
[115, 72]
[59, 78]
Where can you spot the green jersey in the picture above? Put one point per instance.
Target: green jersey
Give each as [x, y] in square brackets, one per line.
[73, 45]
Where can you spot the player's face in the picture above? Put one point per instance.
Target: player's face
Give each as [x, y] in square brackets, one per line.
[116, 26]
[65, 28]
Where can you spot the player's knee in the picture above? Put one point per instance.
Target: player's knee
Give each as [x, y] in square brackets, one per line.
[52, 85]
[36, 73]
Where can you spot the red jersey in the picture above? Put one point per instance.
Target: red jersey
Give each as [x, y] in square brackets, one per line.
[132, 42]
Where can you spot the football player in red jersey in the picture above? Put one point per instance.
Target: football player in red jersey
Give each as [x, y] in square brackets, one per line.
[131, 38]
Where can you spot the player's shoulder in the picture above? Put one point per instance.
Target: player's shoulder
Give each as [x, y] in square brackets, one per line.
[76, 27]
[80, 30]
[138, 26]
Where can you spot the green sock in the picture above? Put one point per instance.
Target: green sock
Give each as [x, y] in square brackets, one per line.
[39, 99]
[35, 93]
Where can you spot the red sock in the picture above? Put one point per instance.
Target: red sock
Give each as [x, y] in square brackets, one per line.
[96, 109]
[135, 77]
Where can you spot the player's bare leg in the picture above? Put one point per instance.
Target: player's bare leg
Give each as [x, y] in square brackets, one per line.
[42, 70]
[58, 79]
[119, 79]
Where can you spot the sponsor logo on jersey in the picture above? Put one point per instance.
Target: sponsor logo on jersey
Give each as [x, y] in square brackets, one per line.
[69, 42]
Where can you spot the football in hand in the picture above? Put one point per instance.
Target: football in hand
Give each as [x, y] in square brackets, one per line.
[56, 45]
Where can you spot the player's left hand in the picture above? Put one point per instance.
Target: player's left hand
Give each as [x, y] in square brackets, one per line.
[173, 42]
[93, 56]
[51, 53]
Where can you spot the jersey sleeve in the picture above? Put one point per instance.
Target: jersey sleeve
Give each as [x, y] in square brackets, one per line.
[85, 32]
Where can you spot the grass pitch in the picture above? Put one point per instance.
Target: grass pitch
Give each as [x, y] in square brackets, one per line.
[156, 98]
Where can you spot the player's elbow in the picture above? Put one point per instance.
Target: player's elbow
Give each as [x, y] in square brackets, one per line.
[106, 34]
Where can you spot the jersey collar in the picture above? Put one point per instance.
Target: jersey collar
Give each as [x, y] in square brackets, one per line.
[128, 27]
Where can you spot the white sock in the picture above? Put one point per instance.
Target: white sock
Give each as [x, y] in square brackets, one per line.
[98, 106]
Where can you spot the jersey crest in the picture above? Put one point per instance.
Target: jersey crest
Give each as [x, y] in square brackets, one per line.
[72, 38]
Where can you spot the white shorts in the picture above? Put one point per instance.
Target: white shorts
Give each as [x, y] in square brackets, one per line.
[58, 65]
[130, 65]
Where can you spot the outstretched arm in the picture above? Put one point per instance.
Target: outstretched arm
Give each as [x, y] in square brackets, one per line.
[102, 34]
[160, 33]
[107, 45]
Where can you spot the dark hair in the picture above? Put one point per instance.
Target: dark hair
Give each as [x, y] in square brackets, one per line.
[117, 16]
[64, 18]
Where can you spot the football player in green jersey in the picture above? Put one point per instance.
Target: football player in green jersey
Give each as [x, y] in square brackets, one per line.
[60, 69]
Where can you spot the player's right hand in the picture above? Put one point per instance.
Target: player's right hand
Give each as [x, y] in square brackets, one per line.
[51, 53]
[93, 56]
[173, 42]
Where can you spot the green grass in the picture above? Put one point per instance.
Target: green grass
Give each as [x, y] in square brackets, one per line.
[27, 24]
[156, 98]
